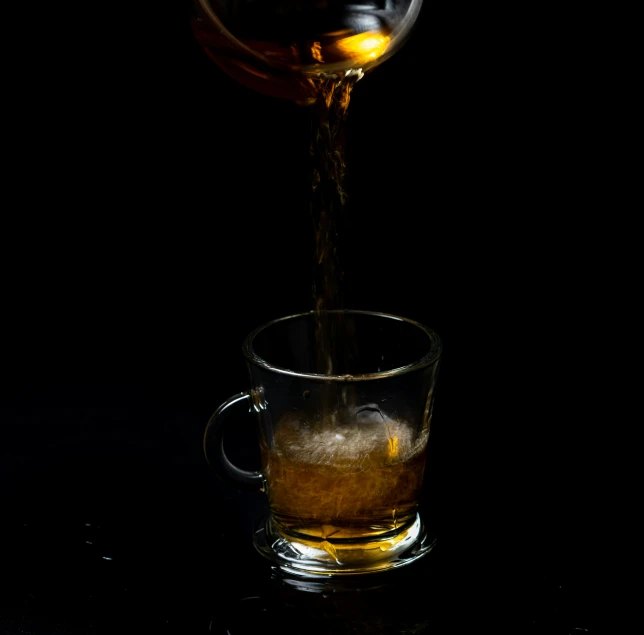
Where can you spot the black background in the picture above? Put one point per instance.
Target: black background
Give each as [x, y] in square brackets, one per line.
[157, 211]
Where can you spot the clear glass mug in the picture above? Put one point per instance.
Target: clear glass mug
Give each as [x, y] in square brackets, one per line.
[344, 405]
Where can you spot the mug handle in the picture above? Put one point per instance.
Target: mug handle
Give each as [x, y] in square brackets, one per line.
[214, 437]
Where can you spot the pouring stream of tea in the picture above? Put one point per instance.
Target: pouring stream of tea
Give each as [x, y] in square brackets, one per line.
[328, 198]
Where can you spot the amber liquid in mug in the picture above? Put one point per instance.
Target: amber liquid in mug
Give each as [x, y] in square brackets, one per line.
[342, 480]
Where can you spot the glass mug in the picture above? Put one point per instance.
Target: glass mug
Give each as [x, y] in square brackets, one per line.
[344, 404]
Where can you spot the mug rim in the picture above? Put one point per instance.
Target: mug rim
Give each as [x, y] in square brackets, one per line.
[429, 358]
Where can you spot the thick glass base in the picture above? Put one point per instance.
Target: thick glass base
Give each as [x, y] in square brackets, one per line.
[343, 557]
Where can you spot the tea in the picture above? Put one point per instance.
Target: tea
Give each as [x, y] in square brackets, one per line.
[339, 479]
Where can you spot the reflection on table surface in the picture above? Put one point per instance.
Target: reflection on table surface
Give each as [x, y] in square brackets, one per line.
[85, 577]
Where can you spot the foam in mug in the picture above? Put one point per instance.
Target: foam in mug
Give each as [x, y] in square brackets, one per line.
[356, 474]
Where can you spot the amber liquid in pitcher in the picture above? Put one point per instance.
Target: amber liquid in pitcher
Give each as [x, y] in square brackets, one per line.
[282, 47]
